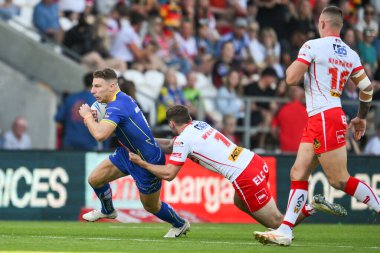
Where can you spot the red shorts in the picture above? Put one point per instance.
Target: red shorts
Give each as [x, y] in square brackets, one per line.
[326, 130]
[251, 185]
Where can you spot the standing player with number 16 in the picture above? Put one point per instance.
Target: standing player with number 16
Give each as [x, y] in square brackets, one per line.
[326, 64]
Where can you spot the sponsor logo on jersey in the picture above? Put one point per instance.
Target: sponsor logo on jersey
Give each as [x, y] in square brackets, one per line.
[340, 49]
[300, 199]
[201, 125]
[317, 144]
[341, 136]
[177, 155]
[306, 46]
[178, 143]
[235, 154]
[335, 93]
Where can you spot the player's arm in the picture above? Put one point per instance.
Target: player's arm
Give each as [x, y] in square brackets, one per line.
[100, 131]
[165, 144]
[167, 172]
[361, 81]
[295, 72]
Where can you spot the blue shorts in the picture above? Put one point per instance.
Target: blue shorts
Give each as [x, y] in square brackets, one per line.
[146, 182]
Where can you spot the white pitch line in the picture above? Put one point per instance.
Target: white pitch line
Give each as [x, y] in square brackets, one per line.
[192, 241]
[135, 227]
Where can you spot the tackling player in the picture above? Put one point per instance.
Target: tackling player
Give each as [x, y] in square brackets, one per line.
[246, 170]
[326, 65]
[125, 118]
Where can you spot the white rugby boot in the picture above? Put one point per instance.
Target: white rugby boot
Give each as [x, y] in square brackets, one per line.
[273, 237]
[177, 232]
[97, 214]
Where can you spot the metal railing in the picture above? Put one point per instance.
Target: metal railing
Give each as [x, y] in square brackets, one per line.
[247, 131]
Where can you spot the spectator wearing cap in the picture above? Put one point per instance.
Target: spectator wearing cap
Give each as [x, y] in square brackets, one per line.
[238, 37]
[262, 112]
[367, 22]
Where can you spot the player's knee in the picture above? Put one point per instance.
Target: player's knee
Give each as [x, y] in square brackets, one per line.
[297, 173]
[151, 207]
[337, 183]
[94, 182]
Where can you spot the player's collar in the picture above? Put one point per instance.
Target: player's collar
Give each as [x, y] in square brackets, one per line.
[114, 97]
[334, 35]
[184, 127]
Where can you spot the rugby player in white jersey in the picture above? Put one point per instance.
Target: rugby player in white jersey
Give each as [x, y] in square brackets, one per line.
[326, 64]
[246, 170]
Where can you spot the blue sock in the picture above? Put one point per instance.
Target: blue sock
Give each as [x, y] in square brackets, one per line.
[168, 214]
[104, 193]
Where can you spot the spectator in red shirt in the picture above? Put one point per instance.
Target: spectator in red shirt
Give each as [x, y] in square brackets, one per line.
[290, 121]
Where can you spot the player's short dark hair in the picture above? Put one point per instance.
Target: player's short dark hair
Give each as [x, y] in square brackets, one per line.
[106, 74]
[179, 114]
[335, 12]
[87, 79]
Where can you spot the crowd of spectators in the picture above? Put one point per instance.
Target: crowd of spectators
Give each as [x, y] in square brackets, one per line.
[243, 47]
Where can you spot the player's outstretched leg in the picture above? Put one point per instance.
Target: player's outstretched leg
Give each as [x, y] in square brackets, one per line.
[165, 212]
[108, 211]
[319, 203]
[179, 225]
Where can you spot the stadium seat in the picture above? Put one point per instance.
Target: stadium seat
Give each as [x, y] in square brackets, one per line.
[154, 80]
[181, 79]
[202, 81]
[136, 77]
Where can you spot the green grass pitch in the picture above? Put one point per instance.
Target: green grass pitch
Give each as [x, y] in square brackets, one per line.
[148, 237]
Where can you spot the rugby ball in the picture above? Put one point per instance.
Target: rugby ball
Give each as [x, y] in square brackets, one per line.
[98, 110]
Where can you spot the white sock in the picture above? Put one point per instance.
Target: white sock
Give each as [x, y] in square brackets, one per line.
[297, 200]
[363, 193]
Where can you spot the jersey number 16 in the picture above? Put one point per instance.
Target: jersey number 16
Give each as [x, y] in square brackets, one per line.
[334, 78]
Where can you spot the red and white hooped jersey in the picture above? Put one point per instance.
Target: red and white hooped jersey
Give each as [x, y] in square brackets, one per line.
[331, 63]
[211, 149]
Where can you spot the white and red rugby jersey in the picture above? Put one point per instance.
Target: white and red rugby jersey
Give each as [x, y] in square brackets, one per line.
[212, 149]
[331, 63]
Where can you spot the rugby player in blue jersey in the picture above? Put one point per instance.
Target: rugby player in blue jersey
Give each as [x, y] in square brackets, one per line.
[125, 118]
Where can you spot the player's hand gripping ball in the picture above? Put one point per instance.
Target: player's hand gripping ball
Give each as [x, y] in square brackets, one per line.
[98, 110]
